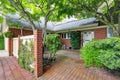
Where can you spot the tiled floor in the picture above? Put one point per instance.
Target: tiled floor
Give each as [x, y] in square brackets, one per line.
[10, 70]
[70, 67]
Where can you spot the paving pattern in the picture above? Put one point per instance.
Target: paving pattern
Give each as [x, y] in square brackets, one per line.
[70, 67]
[10, 70]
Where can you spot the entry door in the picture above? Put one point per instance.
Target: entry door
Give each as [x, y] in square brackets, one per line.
[87, 36]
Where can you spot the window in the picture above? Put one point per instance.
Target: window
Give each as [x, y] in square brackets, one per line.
[66, 35]
[109, 32]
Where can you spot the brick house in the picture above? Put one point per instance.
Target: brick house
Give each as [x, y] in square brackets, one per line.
[87, 32]
[88, 29]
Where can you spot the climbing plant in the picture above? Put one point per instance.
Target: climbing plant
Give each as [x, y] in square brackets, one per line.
[75, 40]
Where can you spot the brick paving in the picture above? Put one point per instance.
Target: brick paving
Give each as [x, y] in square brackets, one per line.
[70, 67]
[10, 70]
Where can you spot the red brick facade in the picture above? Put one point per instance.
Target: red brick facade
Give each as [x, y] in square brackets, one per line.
[100, 33]
[38, 50]
[17, 32]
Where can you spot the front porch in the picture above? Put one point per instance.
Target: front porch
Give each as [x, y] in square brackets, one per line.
[69, 66]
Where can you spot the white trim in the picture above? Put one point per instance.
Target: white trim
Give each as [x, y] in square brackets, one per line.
[27, 37]
[84, 28]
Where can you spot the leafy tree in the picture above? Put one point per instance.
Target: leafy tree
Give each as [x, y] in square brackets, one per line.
[104, 10]
[32, 10]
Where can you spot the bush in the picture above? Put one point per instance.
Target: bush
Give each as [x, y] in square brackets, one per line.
[75, 40]
[103, 53]
[53, 43]
[90, 53]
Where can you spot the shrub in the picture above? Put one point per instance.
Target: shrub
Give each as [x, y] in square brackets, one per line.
[53, 43]
[90, 52]
[110, 59]
[102, 53]
[75, 40]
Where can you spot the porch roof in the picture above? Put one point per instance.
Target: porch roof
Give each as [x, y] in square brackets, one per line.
[76, 24]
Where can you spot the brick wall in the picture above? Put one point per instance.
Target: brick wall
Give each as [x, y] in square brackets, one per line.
[17, 32]
[65, 42]
[100, 33]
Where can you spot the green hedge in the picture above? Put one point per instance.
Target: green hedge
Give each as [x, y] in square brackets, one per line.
[102, 53]
[1, 42]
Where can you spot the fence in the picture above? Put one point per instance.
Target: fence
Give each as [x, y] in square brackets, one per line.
[16, 43]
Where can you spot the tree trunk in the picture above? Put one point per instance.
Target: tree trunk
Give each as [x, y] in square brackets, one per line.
[119, 25]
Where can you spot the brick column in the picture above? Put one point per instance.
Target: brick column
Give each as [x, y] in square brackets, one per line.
[10, 46]
[38, 71]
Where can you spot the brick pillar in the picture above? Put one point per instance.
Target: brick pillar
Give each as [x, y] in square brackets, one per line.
[10, 46]
[38, 71]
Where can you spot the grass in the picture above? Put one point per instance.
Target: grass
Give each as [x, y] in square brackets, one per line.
[2, 44]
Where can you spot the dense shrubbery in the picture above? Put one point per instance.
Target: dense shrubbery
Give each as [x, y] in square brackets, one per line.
[26, 55]
[102, 53]
[75, 40]
[53, 43]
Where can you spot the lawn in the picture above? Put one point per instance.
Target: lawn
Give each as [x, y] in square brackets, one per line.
[1, 43]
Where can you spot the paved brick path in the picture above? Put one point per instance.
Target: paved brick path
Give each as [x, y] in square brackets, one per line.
[10, 70]
[70, 67]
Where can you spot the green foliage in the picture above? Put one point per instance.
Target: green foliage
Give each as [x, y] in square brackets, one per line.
[1, 19]
[1, 42]
[90, 53]
[53, 43]
[110, 58]
[75, 40]
[8, 34]
[103, 53]
[26, 55]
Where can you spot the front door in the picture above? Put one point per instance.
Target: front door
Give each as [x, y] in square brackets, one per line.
[87, 36]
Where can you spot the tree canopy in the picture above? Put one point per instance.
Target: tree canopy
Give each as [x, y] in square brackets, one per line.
[104, 10]
[32, 10]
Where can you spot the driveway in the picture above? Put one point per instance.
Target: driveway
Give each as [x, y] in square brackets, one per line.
[69, 66]
[10, 70]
